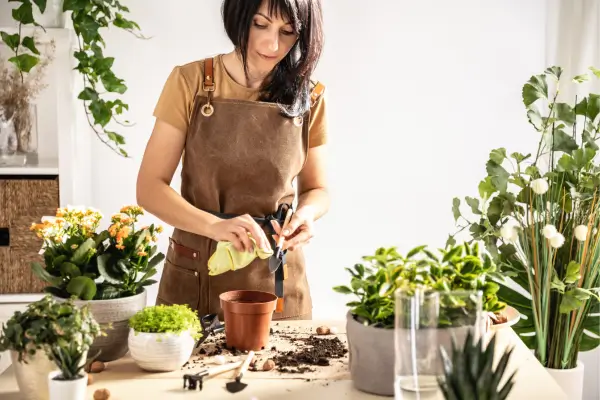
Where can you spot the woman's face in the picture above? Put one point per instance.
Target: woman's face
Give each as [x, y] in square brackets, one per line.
[270, 39]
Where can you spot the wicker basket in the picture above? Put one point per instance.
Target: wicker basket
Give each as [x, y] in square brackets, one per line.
[23, 200]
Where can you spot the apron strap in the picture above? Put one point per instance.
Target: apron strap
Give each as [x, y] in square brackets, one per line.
[208, 85]
[317, 92]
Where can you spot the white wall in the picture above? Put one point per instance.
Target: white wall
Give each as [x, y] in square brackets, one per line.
[418, 94]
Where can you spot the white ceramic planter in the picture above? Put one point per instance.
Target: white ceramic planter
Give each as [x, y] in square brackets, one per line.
[570, 380]
[158, 352]
[32, 377]
[116, 312]
[67, 390]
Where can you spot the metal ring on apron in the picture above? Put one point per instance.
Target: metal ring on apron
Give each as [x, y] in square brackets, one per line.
[298, 121]
[207, 110]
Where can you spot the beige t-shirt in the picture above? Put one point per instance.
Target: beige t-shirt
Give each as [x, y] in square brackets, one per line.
[176, 101]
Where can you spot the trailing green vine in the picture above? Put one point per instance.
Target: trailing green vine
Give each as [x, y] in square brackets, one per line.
[88, 17]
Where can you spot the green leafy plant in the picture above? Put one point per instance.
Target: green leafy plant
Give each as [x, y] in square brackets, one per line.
[89, 17]
[469, 371]
[114, 263]
[101, 86]
[176, 318]
[459, 268]
[26, 55]
[48, 326]
[539, 216]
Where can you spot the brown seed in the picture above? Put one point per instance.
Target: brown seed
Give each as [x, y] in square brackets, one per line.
[268, 365]
[101, 394]
[90, 379]
[97, 366]
[323, 330]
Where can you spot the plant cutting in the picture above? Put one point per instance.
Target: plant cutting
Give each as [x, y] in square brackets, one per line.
[538, 214]
[32, 337]
[469, 371]
[371, 318]
[108, 268]
[162, 337]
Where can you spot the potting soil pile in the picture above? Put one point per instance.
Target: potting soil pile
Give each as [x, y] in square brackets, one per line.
[293, 352]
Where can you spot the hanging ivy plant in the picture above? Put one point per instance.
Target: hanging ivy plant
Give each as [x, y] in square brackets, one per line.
[100, 82]
[89, 17]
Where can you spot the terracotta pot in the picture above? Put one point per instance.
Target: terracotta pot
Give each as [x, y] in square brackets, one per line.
[248, 316]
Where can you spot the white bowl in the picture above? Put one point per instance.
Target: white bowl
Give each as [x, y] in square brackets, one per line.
[512, 316]
[160, 352]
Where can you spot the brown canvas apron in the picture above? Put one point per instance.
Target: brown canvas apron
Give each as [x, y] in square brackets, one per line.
[240, 157]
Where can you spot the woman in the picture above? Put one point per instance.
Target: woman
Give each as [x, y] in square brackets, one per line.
[247, 123]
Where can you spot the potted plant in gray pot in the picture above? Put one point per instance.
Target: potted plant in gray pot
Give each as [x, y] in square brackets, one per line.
[31, 335]
[371, 319]
[108, 270]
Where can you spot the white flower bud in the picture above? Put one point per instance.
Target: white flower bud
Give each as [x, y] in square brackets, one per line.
[549, 231]
[539, 186]
[581, 232]
[557, 240]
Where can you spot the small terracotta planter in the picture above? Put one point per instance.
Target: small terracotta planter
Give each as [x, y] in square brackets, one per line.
[248, 315]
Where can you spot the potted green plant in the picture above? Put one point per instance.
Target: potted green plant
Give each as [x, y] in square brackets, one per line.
[371, 318]
[69, 353]
[162, 337]
[108, 269]
[484, 377]
[31, 335]
[539, 215]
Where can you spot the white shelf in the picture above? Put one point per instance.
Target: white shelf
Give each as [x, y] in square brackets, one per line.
[44, 167]
[56, 34]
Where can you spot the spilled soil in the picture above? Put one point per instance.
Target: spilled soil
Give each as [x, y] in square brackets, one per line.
[293, 351]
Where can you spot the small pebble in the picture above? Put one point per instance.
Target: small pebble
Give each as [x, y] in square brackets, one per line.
[101, 394]
[97, 366]
[220, 359]
[268, 365]
[323, 330]
[333, 330]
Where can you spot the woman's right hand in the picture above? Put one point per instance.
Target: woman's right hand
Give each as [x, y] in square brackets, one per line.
[235, 230]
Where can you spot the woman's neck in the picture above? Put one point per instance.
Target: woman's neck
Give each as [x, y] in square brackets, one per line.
[235, 67]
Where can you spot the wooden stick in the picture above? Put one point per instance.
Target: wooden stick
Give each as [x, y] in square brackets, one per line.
[288, 217]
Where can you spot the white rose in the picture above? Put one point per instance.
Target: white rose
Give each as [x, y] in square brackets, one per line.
[509, 233]
[581, 232]
[539, 186]
[549, 231]
[557, 240]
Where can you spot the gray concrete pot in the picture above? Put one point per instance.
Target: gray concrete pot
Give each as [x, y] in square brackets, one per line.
[116, 312]
[371, 357]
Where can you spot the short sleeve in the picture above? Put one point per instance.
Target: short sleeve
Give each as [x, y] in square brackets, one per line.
[175, 103]
[318, 123]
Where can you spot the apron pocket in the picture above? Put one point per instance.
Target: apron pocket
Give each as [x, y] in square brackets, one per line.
[179, 285]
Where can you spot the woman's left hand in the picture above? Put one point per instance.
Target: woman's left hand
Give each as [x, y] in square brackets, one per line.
[299, 230]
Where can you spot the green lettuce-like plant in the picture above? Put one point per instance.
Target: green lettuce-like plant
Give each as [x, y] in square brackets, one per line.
[50, 327]
[90, 265]
[458, 268]
[176, 318]
[539, 216]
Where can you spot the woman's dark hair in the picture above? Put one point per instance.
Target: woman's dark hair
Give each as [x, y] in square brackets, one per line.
[289, 83]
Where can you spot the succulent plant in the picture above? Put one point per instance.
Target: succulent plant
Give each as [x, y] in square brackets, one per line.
[469, 371]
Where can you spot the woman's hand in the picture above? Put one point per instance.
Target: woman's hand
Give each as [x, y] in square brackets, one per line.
[299, 230]
[235, 230]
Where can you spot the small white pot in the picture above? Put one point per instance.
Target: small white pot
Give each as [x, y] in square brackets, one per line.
[67, 390]
[160, 352]
[570, 380]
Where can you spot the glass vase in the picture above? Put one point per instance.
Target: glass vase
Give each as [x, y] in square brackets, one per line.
[19, 138]
[425, 322]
